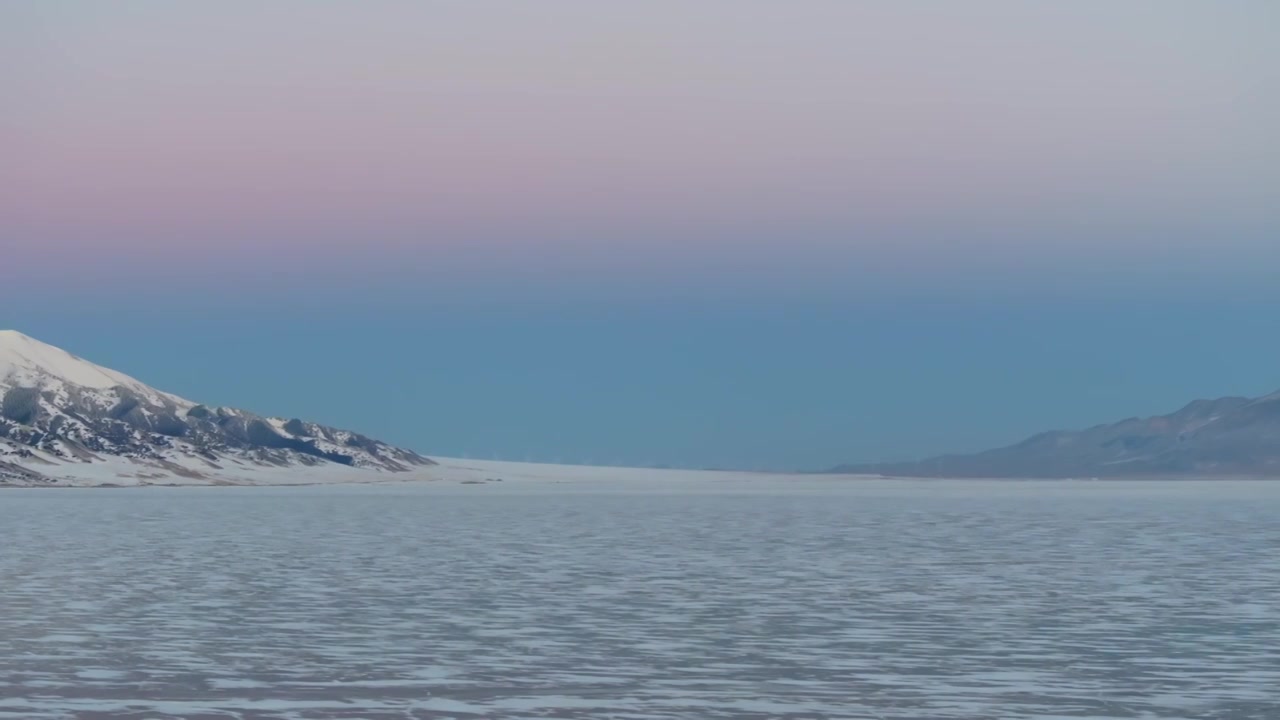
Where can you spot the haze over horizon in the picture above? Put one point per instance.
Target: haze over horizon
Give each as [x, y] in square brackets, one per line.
[743, 234]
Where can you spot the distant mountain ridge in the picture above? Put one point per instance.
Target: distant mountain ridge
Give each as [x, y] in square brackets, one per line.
[57, 409]
[1230, 436]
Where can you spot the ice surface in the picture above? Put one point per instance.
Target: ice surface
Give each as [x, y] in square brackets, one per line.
[696, 596]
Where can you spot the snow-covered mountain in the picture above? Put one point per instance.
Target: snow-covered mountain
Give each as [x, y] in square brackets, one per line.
[63, 418]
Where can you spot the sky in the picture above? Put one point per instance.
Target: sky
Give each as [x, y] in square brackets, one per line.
[734, 234]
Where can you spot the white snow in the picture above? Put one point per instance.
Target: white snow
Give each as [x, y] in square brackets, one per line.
[24, 358]
[29, 362]
[187, 470]
[112, 470]
[461, 470]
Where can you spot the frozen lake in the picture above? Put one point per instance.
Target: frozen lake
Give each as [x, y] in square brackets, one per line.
[755, 599]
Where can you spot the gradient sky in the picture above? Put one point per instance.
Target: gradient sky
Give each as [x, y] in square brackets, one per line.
[757, 234]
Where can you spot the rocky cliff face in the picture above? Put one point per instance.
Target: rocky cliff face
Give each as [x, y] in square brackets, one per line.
[56, 408]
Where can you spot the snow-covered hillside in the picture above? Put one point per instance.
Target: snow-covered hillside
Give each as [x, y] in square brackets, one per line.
[65, 419]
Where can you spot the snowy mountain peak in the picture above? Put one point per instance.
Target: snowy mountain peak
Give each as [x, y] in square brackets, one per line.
[57, 409]
[25, 360]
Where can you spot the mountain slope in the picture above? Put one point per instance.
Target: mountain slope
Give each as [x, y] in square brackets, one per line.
[1228, 436]
[58, 411]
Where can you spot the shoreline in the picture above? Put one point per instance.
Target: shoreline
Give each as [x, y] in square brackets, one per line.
[121, 473]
